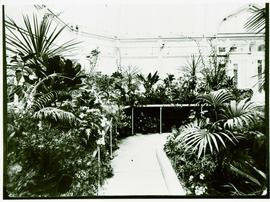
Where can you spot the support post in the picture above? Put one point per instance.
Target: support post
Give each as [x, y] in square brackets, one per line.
[160, 120]
[132, 120]
[111, 131]
[98, 170]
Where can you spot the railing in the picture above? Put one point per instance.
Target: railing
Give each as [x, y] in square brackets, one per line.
[160, 106]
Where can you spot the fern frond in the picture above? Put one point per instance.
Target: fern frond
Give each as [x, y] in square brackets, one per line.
[43, 101]
[46, 99]
[55, 114]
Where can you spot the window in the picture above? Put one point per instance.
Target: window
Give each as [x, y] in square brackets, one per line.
[260, 81]
[221, 49]
[235, 74]
[261, 48]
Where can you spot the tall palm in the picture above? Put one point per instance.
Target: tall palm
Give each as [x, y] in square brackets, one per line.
[257, 23]
[214, 77]
[191, 70]
[127, 83]
[149, 81]
[36, 39]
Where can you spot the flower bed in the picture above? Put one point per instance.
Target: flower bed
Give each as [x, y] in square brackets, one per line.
[216, 152]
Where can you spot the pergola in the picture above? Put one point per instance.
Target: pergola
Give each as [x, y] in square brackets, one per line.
[160, 106]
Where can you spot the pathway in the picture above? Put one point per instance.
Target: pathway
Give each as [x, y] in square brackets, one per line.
[136, 168]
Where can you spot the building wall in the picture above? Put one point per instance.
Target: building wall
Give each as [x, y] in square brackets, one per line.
[169, 53]
[245, 60]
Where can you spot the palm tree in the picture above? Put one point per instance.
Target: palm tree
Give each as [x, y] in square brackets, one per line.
[127, 83]
[202, 137]
[149, 81]
[36, 40]
[216, 100]
[191, 70]
[239, 114]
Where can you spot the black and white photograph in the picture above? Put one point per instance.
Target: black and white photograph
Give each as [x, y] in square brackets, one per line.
[135, 99]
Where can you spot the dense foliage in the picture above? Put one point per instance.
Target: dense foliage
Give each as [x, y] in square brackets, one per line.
[58, 124]
[50, 125]
[227, 137]
[61, 119]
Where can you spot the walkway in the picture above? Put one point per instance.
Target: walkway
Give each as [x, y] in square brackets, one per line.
[136, 168]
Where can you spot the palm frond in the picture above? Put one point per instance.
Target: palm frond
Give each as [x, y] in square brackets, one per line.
[36, 37]
[149, 81]
[256, 22]
[55, 114]
[43, 101]
[192, 65]
[195, 136]
[33, 90]
[235, 191]
[245, 174]
[216, 98]
[239, 114]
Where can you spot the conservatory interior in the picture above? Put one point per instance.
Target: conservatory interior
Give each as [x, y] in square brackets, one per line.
[135, 99]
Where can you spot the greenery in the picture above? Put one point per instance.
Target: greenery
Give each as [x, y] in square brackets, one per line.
[49, 128]
[55, 112]
[35, 41]
[256, 22]
[196, 174]
[61, 117]
[229, 134]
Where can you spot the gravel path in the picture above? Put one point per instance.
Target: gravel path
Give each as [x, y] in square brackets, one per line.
[136, 168]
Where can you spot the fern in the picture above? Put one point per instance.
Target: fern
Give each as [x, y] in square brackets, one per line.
[43, 101]
[18, 90]
[55, 114]
[46, 99]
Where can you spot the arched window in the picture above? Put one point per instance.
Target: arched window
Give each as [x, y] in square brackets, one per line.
[261, 47]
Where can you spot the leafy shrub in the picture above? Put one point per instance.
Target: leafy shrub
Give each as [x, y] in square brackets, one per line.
[42, 161]
[196, 174]
[41, 157]
[236, 169]
[202, 137]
